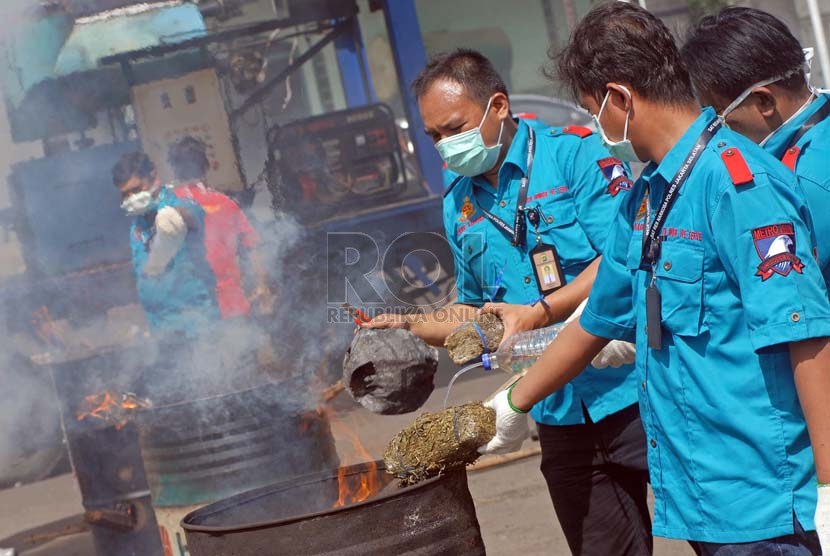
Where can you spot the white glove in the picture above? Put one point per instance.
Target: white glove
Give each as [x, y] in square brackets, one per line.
[511, 427]
[171, 231]
[169, 221]
[615, 354]
[823, 518]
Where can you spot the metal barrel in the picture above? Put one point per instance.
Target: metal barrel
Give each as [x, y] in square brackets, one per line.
[433, 518]
[204, 450]
[105, 458]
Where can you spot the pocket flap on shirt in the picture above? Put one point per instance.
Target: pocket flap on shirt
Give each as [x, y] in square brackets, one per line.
[681, 262]
[558, 214]
[472, 244]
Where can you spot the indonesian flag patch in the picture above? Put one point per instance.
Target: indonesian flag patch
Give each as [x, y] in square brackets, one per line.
[614, 171]
[775, 245]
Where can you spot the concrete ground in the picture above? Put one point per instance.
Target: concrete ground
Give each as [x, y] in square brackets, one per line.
[514, 510]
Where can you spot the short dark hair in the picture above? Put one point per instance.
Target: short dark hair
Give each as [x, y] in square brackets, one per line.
[134, 164]
[728, 52]
[623, 42]
[188, 158]
[467, 67]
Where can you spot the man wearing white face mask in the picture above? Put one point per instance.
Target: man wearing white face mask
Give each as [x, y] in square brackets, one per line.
[714, 277]
[751, 69]
[173, 278]
[527, 221]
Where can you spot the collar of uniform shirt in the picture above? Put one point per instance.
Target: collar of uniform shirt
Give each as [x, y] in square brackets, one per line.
[780, 141]
[671, 163]
[516, 156]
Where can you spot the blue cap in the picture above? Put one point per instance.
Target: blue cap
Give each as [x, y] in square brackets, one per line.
[486, 362]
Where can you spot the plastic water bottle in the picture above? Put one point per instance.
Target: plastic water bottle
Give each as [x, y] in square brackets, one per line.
[521, 350]
[517, 353]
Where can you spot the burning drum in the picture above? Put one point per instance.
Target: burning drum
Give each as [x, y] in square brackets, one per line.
[433, 518]
[204, 450]
[103, 449]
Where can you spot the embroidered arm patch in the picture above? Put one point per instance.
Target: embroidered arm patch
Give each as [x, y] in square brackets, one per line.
[614, 171]
[775, 245]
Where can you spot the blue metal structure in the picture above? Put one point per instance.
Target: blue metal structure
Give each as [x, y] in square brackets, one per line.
[351, 57]
[410, 57]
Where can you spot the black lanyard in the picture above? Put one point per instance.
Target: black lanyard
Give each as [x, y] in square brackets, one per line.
[518, 231]
[651, 243]
[820, 114]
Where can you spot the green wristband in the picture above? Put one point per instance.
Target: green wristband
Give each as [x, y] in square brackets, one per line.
[820, 485]
[510, 401]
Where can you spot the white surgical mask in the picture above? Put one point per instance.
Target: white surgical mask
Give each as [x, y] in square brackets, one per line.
[623, 150]
[139, 203]
[466, 154]
[743, 96]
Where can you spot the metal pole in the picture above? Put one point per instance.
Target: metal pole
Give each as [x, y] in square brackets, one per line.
[410, 58]
[821, 40]
[351, 57]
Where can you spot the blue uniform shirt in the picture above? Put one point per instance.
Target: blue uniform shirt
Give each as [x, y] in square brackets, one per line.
[182, 297]
[811, 159]
[569, 184]
[729, 456]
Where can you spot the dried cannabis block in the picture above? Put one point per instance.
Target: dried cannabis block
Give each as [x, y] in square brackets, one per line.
[465, 344]
[389, 371]
[439, 441]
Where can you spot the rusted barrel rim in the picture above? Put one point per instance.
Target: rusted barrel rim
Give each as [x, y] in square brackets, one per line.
[300, 481]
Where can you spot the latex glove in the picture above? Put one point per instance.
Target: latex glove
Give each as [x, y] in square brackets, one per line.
[823, 518]
[615, 354]
[169, 221]
[511, 427]
[171, 231]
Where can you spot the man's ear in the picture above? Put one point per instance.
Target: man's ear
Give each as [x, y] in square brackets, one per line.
[765, 102]
[502, 105]
[619, 95]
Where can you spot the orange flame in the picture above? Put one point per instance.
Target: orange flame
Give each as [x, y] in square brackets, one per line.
[111, 407]
[355, 488]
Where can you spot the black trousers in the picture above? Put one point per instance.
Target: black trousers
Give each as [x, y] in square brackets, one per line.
[597, 475]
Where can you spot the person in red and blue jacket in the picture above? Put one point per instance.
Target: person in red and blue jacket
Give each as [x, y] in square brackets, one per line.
[175, 284]
[227, 232]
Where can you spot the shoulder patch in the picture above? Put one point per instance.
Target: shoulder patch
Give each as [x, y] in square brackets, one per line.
[578, 130]
[452, 184]
[791, 157]
[775, 245]
[614, 171]
[737, 167]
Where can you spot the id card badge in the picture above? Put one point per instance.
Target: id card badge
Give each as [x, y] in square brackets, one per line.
[654, 317]
[547, 268]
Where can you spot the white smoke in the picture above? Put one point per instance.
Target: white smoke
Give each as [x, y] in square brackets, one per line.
[30, 433]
